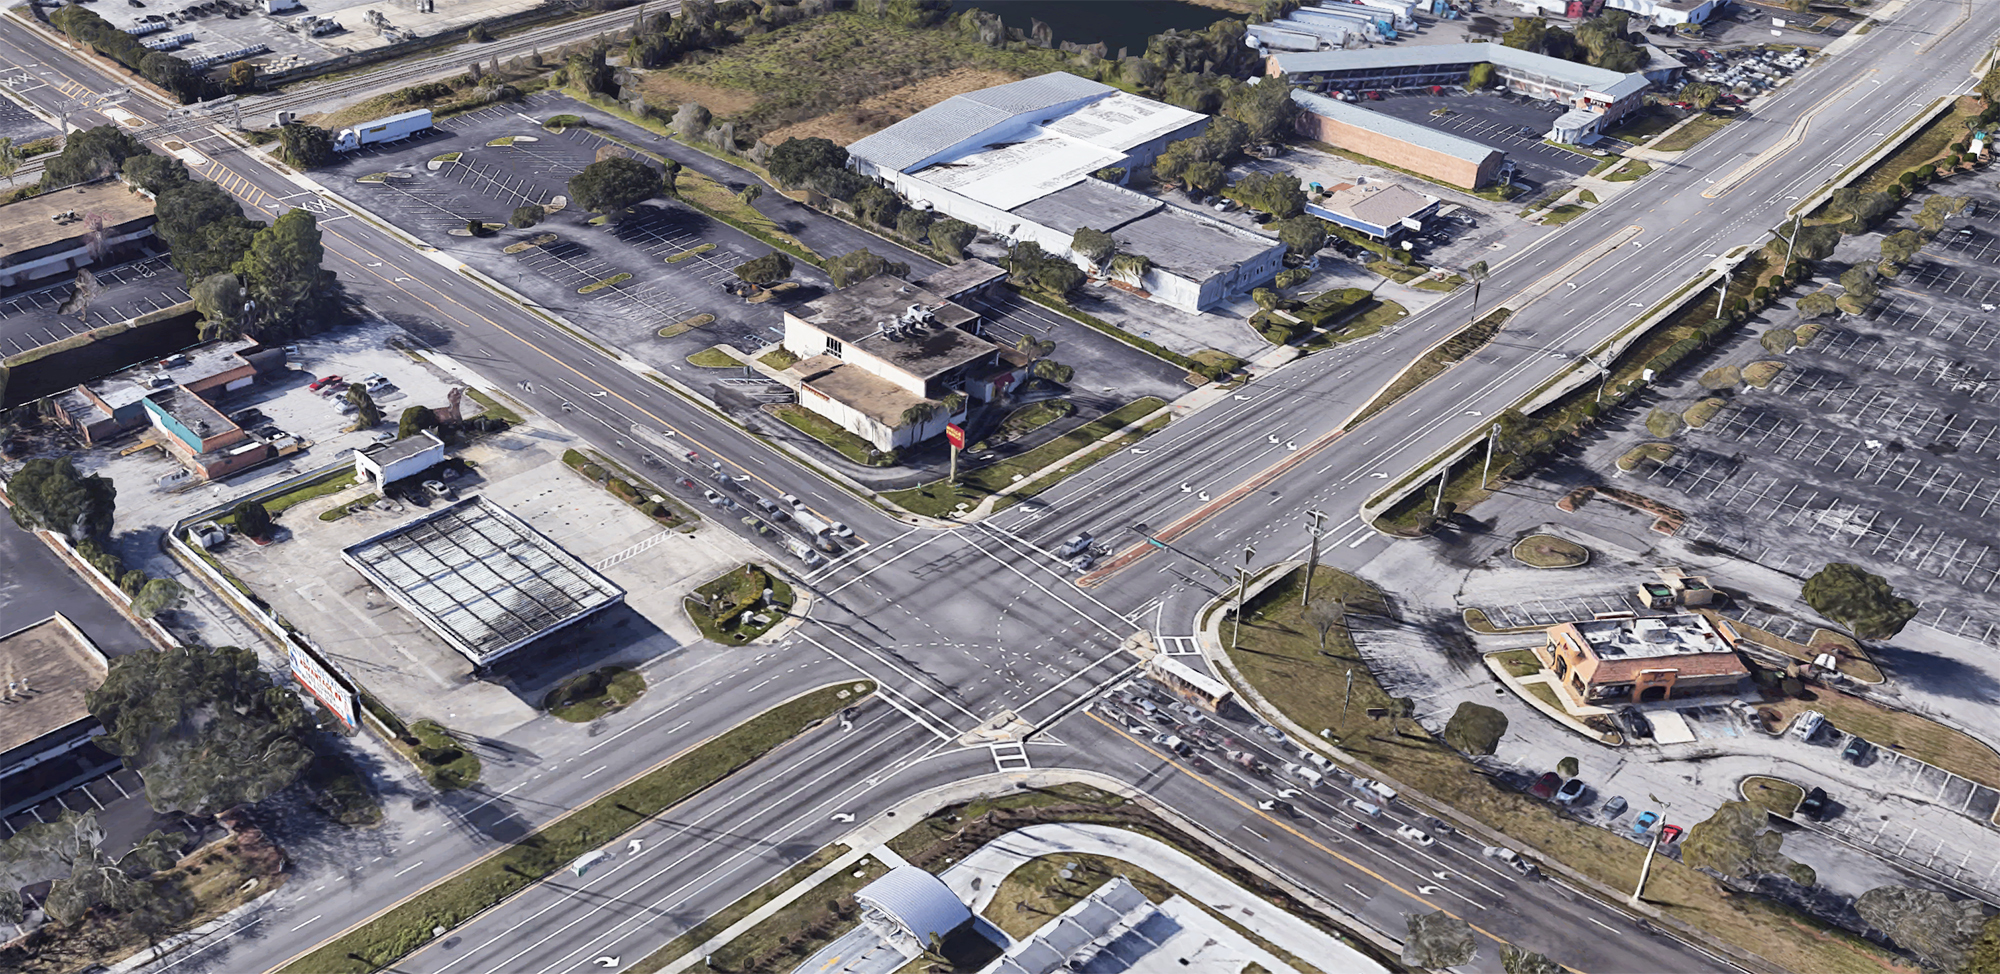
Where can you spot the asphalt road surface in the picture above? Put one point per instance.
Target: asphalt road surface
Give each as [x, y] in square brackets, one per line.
[978, 627]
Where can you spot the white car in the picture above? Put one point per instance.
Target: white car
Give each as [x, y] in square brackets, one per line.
[1414, 834]
[840, 528]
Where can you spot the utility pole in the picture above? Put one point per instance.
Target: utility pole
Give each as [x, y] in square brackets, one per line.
[1242, 587]
[1789, 244]
[1312, 560]
[1722, 295]
[1491, 438]
[1437, 503]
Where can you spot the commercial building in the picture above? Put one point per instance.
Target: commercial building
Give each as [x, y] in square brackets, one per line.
[176, 396]
[1404, 144]
[1384, 211]
[1638, 660]
[47, 670]
[386, 463]
[56, 233]
[481, 578]
[1018, 160]
[1665, 13]
[1596, 97]
[893, 361]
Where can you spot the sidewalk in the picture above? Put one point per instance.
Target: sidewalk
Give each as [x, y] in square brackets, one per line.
[977, 878]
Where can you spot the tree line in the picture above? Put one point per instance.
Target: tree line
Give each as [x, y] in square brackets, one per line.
[174, 74]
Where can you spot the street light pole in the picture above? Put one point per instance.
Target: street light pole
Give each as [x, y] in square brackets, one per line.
[1444, 476]
[1242, 587]
[1722, 295]
[1789, 244]
[1486, 475]
[1312, 560]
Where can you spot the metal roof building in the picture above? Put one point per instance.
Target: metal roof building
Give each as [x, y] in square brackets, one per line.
[481, 578]
[1399, 142]
[912, 902]
[1013, 158]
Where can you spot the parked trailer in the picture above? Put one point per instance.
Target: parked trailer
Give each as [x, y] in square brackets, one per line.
[383, 130]
[1269, 37]
[1329, 32]
[1371, 26]
[1401, 14]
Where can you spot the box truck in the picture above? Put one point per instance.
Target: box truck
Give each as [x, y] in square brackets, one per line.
[383, 130]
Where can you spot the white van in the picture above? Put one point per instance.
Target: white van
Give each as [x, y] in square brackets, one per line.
[1388, 794]
[1305, 774]
[1365, 808]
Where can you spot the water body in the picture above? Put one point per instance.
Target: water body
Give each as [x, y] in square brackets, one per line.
[1118, 23]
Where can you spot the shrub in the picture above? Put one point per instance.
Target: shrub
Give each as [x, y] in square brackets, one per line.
[1779, 340]
[527, 216]
[1663, 422]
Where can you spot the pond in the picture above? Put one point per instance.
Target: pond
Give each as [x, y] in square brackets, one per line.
[1118, 23]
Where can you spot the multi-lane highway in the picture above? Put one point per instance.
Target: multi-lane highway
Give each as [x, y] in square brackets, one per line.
[974, 633]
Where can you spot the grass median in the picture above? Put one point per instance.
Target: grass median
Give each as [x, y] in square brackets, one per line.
[939, 498]
[707, 929]
[1280, 656]
[1685, 137]
[1441, 357]
[407, 926]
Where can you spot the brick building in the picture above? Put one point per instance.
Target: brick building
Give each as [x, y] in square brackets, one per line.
[1406, 145]
[177, 397]
[1637, 660]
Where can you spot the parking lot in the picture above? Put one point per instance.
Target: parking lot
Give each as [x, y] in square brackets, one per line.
[16, 122]
[553, 261]
[1497, 120]
[31, 315]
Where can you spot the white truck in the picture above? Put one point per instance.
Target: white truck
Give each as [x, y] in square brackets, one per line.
[804, 552]
[383, 130]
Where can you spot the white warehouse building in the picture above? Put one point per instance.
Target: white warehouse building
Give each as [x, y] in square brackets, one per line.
[1017, 161]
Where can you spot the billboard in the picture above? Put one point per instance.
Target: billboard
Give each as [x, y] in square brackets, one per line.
[326, 686]
[956, 434]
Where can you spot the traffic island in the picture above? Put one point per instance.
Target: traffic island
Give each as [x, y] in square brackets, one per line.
[389, 935]
[739, 606]
[582, 699]
[1549, 551]
[1775, 795]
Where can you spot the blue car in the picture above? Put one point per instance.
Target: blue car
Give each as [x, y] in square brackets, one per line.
[1645, 823]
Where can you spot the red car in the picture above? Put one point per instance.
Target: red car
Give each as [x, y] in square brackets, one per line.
[1546, 785]
[1374, 96]
[323, 382]
[1669, 833]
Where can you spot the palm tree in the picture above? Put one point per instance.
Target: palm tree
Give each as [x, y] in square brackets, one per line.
[921, 412]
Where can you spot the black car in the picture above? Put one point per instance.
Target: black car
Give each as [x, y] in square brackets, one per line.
[1635, 722]
[1815, 805]
[1857, 752]
[247, 417]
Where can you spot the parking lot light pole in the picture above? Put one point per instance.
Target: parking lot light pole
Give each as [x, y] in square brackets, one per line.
[1645, 869]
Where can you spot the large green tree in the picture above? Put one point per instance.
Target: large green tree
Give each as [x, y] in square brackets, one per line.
[283, 275]
[51, 494]
[860, 265]
[951, 237]
[90, 154]
[205, 728]
[1302, 235]
[1278, 194]
[219, 298]
[205, 231]
[153, 172]
[795, 160]
[306, 146]
[768, 269]
[614, 184]
[1859, 600]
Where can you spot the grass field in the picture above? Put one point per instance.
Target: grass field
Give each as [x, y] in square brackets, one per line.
[407, 925]
[789, 936]
[1400, 273]
[845, 65]
[726, 608]
[1280, 656]
[1377, 316]
[1557, 216]
[713, 358]
[1698, 128]
[938, 498]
